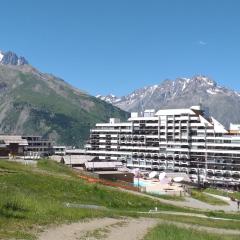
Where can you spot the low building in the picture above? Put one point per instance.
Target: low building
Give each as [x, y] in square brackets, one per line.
[116, 176]
[38, 147]
[13, 145]
[67, 150]
[59, 150]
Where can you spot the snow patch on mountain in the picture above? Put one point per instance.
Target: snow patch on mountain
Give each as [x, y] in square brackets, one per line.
[210, 91]
[111, 98]
[168, 90]
[184, 86]
[1, 56]
[11, 58]
[183, 93]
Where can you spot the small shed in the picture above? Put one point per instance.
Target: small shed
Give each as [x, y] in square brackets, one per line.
[116, 176]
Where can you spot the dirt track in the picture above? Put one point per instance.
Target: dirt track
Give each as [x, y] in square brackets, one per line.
[116, 229]
[107, 228]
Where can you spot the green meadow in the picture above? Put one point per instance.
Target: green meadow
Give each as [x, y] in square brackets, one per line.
[172, 232]
[35, 196]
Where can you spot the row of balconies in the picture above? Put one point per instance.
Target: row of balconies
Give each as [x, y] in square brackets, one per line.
[217, 176]
[155, 167]
[160, 155]
[222, 179]
[160, 159]
[177, 136]
[161, 162]
[209, 145]
[130, 141]
[107, 131]
[212, 172]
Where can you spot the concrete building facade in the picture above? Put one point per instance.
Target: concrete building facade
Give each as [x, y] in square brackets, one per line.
[171, 140]
[38, 146]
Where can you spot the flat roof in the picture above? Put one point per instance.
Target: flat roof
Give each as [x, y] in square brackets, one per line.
[77, 159]
[14, 139]
[113, 172]
[76, 150]
[59, 146]
[113, 164]
[177, 111]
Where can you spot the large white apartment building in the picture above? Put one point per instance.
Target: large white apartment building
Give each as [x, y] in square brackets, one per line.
[179, 140]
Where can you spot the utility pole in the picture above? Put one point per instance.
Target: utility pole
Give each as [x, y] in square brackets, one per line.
[198, 176]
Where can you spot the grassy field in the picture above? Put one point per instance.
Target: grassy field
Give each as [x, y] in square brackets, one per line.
[235, 225]
[199, 195]
[33, 196]
[223, 193]
[171, 232]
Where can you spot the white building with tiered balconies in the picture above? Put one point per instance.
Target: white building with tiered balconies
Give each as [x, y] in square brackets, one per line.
[173, 140]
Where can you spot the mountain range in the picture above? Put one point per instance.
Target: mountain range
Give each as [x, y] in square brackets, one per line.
[220, 102]
[36, 103]
[11, 58]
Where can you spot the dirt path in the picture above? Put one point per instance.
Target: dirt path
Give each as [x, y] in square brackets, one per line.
[106, 228]
[117, 229]
[75, 230]
[132, 229]
[190, 203]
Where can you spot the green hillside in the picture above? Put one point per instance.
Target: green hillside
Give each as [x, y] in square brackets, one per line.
[33, 196]
[36, 103]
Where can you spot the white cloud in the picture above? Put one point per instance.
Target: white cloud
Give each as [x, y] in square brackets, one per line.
[200, 42]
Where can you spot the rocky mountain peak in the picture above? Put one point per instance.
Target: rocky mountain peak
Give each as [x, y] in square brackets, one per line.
[33, 102]
[205, 81]
[182, 93]
[168, 89]
[110, 98]
[11, 58]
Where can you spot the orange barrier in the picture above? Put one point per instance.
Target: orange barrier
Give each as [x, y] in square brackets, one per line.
[107, 183]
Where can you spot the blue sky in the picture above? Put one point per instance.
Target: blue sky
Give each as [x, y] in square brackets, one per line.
[116, 46]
